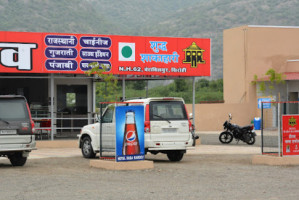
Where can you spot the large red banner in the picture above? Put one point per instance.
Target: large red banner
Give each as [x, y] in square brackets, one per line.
[290, 134]
[28, 52]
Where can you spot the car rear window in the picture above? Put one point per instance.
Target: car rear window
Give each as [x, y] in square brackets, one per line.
[13, 109]
[170, 110]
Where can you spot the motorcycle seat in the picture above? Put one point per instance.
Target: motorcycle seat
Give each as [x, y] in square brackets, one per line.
[246, 127]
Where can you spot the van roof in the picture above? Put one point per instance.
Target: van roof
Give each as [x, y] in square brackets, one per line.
[147, 100]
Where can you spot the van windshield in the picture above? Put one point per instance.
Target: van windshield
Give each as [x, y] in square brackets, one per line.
[167, 110]
[108, 115]
[13, 109]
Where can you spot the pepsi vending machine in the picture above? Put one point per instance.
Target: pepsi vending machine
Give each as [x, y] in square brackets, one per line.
[129, 133]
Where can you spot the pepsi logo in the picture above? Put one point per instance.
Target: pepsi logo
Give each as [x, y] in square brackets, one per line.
[131, 136]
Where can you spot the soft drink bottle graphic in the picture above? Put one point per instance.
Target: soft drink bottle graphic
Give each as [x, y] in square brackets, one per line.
[131, 143]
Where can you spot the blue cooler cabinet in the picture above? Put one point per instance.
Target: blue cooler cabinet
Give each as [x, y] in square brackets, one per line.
[257, 123]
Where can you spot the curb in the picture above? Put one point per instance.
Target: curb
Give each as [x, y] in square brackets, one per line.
[112, 165]
[57, 144]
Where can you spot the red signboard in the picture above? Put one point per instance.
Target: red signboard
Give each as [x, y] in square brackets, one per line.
[27, 52]
[290, 134]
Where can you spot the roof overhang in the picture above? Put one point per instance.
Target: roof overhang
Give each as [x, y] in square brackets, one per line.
[287, 76]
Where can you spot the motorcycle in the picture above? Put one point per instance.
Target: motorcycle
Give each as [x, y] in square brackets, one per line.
[244, 133]
[194, 136]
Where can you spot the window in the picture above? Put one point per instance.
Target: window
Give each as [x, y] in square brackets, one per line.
[171, 110]
[70, 100]
[13, 109]
[108, 115]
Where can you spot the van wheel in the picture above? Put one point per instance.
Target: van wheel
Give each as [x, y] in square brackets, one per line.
[86, 148]
[17, 159]
[175, 156]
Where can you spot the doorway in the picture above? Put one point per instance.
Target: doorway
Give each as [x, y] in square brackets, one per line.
[293, 107]
[72, 112]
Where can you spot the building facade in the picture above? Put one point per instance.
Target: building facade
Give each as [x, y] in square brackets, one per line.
[249, 52]
[49, 70]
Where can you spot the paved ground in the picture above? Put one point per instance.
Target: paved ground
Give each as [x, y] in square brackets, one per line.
[209, 145]
[199, 150]
[55, 153]
[211, 171]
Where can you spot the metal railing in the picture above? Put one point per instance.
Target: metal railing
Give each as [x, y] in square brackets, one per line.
[64, 127]
[271, 124]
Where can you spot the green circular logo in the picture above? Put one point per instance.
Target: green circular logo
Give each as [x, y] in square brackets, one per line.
[126, 51]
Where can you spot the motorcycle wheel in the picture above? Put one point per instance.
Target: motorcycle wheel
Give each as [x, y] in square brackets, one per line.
[251, 140]
[225, 137]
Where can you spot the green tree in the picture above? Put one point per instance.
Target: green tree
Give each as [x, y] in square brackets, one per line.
[110, 90]
[139, 85]
[203, 83]
[273, 78]
[180, 85]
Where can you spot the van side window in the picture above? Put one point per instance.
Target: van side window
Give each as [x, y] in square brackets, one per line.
[108, 115]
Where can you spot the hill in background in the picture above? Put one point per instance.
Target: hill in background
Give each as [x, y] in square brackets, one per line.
[175, 18]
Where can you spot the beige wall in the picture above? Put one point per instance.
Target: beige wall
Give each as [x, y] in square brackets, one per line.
[233, 66]
[249, 51]
[253, 50]
[210, 117]
[292, 66]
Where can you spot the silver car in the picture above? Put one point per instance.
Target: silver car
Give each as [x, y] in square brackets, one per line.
[16, 129]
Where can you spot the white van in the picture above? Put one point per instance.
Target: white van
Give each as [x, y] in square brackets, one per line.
[167, 129]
